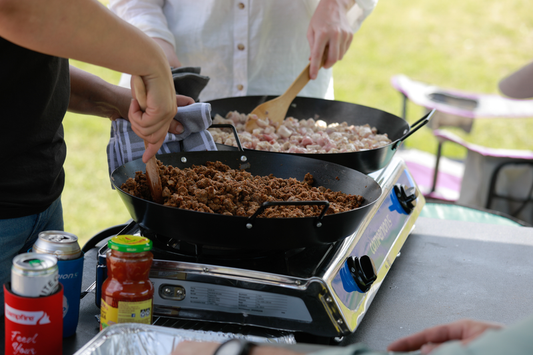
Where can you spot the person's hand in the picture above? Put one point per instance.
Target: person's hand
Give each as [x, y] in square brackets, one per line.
[427, 340]
[329, 27]
[152, 110]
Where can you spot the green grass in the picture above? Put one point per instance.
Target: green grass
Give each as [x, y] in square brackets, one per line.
[461, 44]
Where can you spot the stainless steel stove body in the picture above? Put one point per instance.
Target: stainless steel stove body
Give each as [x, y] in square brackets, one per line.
[311, 291]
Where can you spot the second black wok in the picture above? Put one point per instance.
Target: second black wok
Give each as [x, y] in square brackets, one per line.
[331, 111]
[253, 232]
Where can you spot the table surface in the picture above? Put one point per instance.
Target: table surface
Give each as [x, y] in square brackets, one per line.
[447, 270]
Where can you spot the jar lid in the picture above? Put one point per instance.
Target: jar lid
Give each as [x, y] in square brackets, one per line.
[130, 243]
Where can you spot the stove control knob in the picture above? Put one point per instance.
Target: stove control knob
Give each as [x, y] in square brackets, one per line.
[363, 271]
[407, 196]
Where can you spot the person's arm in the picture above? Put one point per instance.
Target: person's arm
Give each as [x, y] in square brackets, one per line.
[91, 95]
[431, 338]
[169, 51]
[332, 25]
[85, 30]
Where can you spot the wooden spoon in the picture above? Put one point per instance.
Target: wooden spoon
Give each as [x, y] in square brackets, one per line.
[276, 109]
[152, 170]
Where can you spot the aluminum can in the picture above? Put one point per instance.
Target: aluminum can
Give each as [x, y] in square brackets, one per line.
[34, 275]
[63, 245]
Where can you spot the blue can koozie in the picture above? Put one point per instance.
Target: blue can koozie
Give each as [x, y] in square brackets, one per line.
[65, 247]
[70, 276]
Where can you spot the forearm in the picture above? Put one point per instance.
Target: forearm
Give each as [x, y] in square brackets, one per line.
[169, 51]
[80, 29]
[90, 95]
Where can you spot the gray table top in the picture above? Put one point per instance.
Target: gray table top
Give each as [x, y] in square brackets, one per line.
[447, 270]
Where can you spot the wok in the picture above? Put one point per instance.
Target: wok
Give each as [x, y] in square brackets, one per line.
[335, 112]
[255, 233]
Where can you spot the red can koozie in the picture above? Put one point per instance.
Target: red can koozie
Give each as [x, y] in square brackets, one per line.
[33, 325]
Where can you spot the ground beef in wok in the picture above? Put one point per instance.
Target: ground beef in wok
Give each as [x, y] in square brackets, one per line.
[216, 188]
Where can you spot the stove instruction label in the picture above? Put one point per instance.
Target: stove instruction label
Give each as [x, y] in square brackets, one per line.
[234, 300]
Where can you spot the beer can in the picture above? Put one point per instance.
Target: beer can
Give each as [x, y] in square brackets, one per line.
[63, 245]
[34, 275]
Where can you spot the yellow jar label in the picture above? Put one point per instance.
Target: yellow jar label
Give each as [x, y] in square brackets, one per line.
[127, 312]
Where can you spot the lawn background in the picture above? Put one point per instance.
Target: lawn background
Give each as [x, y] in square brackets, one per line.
[461, 44]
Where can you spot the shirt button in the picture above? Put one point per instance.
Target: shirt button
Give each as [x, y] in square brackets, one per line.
[240, 87]
[241, 5]
[240, 46]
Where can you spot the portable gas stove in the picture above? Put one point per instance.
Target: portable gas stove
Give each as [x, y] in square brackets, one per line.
[321, 290]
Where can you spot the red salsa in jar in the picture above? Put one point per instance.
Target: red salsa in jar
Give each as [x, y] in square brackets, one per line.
[127, 292]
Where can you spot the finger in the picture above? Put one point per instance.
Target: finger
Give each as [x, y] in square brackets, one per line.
[152, 133]
[317, 52]
[310, 38]
[182, 100]
[415, 341]
[151, 150]
[410, 343]
[333, 52]
[134, 111]
[436, 335]
[345, 45]
[176, 127]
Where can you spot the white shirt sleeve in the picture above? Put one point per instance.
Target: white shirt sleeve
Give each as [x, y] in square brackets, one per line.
[360, 11]
[147, 15]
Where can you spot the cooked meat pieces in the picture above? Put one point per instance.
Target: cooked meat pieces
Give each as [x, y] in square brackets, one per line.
[298, 136]
[216, 188]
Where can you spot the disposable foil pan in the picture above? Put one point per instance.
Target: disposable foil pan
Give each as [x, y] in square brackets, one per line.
[141, 339]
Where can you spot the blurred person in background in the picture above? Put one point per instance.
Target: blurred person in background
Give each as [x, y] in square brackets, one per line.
[39, 86]
[250, 47]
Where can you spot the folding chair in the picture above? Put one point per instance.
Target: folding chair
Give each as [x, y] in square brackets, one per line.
[496, 179]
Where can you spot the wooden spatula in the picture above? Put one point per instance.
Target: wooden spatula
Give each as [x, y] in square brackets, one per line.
[276, 109]
[152, 170]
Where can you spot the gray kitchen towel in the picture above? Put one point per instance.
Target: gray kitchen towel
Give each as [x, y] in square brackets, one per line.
[124, 145]
[188, 81]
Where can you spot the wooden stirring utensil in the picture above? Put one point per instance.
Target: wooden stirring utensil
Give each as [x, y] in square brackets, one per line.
[276, 109]
[152, 170]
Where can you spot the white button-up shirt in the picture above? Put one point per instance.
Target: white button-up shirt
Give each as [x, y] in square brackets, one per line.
[246, 47]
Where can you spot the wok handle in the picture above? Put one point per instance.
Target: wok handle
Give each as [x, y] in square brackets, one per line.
[415, 127]
[260, 210]
[223, 125]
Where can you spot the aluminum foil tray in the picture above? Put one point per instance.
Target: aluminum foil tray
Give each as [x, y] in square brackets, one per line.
[141, 339]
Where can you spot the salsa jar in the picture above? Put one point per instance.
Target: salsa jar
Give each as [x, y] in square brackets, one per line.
[127, 293]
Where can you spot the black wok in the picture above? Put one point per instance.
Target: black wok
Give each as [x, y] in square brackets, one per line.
[252, 233]
[335, 112]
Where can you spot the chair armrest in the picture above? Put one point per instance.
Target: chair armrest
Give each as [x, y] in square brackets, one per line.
[444, 136]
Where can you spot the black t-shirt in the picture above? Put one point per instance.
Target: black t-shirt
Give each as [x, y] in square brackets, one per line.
[34, 96]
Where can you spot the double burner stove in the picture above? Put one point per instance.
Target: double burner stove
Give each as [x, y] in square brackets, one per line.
[323, 290]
